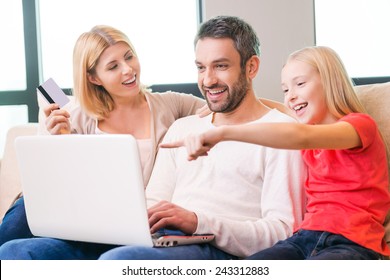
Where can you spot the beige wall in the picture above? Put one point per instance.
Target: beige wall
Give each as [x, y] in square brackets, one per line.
[282, 26]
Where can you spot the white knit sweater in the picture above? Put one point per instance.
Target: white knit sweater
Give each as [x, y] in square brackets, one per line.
[249, 196]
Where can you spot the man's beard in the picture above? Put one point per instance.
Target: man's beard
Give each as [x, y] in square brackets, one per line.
[235, 96]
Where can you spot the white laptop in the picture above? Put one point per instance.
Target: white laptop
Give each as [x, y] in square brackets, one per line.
[88, 188]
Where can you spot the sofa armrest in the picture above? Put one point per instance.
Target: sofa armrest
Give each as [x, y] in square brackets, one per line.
[10, 185]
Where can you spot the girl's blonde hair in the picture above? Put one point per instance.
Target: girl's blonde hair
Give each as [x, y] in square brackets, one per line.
[94, 99]
[340, 95]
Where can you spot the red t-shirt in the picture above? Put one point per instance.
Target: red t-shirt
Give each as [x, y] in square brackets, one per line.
[347, 190]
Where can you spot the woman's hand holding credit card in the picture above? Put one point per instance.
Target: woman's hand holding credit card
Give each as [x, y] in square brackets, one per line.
[57, 119]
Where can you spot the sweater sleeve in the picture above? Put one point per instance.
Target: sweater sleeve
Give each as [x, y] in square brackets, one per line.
[81, 123]
[183, 104]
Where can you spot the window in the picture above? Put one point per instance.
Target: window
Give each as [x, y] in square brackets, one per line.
[12, 57]
[39, 35]
[358, 31]
[162, 33]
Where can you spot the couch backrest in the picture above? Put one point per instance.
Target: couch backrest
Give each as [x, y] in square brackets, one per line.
[376, 100]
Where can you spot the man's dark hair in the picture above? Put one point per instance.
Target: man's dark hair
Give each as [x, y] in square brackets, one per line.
[244, 37]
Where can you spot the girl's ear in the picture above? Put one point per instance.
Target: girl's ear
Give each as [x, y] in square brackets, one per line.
[253, 65]
[94, 80]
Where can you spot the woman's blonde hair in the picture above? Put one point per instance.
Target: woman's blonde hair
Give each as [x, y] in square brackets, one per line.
[94, 99]
[340, 95]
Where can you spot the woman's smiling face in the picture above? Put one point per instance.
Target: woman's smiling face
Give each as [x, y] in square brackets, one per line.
[118, 71]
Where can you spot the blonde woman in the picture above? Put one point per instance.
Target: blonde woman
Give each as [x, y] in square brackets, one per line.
[107, 85]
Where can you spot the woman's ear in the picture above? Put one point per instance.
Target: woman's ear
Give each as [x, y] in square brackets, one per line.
[253, 65]
[94, 80]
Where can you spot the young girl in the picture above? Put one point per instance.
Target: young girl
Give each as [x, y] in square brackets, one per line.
[347, 187]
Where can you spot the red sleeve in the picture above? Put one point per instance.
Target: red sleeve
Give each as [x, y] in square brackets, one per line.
[365, 126]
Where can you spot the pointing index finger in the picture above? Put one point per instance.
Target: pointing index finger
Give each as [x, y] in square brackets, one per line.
[174, 144]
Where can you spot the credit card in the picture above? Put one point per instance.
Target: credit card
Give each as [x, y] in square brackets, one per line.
[53, 93]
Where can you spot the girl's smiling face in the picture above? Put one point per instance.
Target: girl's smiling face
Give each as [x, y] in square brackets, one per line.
[304, 93]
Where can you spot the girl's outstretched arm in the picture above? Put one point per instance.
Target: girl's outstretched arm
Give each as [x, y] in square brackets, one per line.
[340, 135]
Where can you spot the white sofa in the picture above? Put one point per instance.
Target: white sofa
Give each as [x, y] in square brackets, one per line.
[376, 99]
[9, 174]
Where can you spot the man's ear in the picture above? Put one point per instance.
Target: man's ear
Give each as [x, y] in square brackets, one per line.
[94, 80]
[252, 66]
